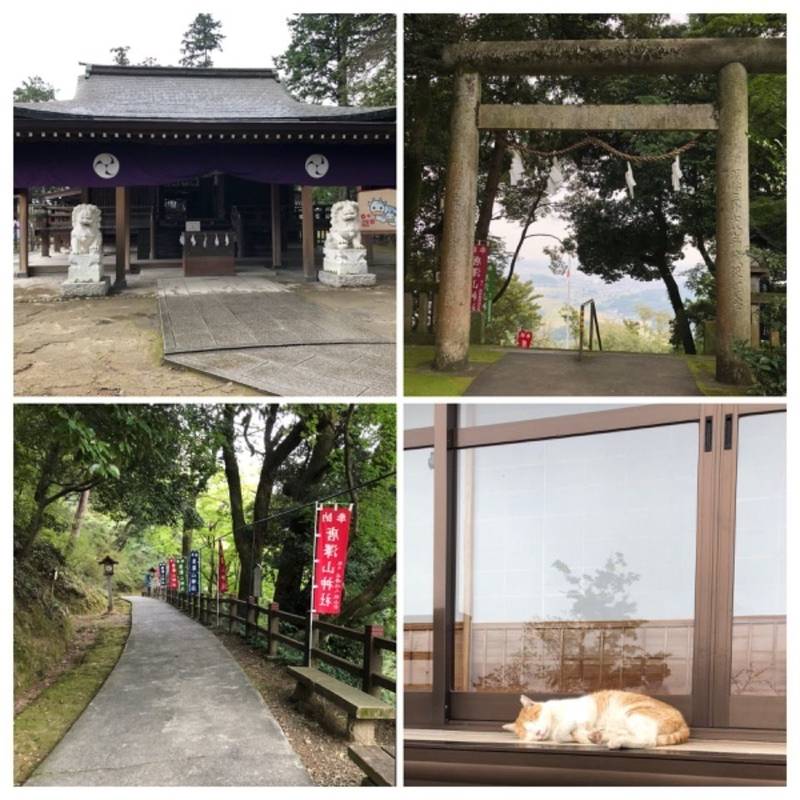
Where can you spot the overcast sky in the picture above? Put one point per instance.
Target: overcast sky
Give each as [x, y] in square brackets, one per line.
[53, 46]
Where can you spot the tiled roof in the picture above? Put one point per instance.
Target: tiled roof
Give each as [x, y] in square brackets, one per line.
[186, 94]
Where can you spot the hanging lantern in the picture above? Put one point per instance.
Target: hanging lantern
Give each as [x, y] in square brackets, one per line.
[555, 178]
[677, 174]
[517, 171]
[629, 180]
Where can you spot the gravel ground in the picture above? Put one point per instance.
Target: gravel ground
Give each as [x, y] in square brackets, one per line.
[323, 753]
[104, 346]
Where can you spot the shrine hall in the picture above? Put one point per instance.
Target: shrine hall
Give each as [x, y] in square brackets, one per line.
[201, 169]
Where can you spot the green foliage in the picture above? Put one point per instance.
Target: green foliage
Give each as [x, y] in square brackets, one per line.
[345, 58]
[200, 40]
[34, 90]
[47, 592]
[516, 309]
[650, 333]
[142, 462]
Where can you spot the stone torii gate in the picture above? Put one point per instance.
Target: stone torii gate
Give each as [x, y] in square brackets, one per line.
[732, 59]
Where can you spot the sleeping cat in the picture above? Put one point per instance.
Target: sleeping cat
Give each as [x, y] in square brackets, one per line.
[616, 719]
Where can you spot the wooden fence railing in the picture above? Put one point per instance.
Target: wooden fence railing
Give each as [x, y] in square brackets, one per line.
[277, 627]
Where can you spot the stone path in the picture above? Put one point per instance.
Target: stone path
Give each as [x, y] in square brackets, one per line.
[177, 710]
[560, 374]
[279, 341]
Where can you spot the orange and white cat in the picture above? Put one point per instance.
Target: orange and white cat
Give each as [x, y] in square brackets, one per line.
[614, 718]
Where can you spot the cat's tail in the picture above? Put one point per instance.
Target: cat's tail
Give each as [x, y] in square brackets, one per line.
[676, 737]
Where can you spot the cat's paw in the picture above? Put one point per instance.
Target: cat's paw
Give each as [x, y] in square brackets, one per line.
[595, 737]
[614, 744]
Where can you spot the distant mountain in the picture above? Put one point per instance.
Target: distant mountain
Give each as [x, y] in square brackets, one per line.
[616, 301]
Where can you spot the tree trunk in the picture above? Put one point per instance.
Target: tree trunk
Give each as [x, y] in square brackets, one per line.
[77, 522]
[491, 188]
[288, 584]
[46, 476]
[414, 156]
[365, 601]
[682, 326]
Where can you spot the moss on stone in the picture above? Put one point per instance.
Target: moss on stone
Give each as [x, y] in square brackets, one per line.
[43, 723]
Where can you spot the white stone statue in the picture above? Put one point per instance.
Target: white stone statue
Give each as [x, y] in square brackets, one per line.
[86, 237]
[345, 261]
[85, 277]
[345, 231]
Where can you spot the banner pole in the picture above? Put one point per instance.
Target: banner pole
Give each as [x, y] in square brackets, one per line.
[218, 542]
[312, 582]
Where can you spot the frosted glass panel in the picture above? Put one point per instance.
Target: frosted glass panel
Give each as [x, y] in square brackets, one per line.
[418, 571]
[417, 415]
[489, 414]
[759, 596]
[576, 564]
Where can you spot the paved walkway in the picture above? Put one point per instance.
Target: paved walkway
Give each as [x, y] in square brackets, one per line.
[277, 340]
[177, 710]
[560, 374]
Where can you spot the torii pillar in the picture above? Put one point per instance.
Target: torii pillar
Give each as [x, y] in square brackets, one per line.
[461, 188]
[733, 224]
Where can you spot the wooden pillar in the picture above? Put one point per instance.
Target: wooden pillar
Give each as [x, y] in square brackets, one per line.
[733, 224]
[309, 270]
[45, 233]
[452, 326]
[151, 250]
[275, 223]
[24, 234]
[122, 235]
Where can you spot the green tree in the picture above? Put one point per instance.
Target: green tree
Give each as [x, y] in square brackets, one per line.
[121, 55]
[303, 453]
[141, 462]
[345, 58]
[34, 90]
[200, 40]
[516, 309]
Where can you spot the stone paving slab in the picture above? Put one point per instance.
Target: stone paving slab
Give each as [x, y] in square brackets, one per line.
[560, 374]
[346, 370]
[200, 322]
[177, 710]
[233, 284]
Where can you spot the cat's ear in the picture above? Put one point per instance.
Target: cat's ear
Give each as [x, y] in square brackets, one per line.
[526, 701]
[509, 726]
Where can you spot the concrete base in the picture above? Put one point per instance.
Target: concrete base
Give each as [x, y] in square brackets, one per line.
[85, 268]
[85, 289]
[345, 260]
[333, 279]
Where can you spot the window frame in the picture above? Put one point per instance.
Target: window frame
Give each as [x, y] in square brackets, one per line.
[708, 705]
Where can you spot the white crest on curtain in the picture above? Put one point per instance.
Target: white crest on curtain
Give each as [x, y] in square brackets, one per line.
[629, 180]
[517, 171]
[677, 174]
[555, 178]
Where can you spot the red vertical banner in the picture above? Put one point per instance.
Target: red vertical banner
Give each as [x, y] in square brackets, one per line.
[330, 560]
[222, 572]
[480, 263]
[172, 574]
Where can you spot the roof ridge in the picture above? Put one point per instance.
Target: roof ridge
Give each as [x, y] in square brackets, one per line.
[189, 72]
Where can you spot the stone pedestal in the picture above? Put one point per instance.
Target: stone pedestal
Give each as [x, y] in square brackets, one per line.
[85, 277]
[346, 266]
